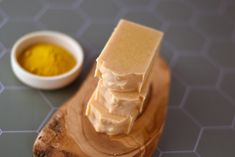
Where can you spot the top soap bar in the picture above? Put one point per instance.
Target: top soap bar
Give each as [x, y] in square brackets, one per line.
[126, 59]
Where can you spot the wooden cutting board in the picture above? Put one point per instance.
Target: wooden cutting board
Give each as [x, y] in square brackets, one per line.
[70, 134]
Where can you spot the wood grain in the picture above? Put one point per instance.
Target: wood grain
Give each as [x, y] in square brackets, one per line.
[70, 134]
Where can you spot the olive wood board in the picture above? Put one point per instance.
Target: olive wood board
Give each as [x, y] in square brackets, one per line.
[70, 134]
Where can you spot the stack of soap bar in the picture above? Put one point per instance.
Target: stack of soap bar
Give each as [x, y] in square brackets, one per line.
[124, 69]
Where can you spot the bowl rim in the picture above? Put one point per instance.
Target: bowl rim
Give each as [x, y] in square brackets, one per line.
[56, 34]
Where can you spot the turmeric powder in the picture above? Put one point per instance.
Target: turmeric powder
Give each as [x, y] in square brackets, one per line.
[46, 59]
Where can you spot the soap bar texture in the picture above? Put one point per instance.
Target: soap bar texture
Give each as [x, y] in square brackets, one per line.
[124, 63]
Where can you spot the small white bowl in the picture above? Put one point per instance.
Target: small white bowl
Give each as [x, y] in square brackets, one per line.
[50, 82]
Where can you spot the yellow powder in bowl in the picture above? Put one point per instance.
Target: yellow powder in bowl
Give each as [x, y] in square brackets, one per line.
[46, 59]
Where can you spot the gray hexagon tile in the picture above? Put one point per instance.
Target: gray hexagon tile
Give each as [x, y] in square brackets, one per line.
[13, 30]
[217, 143]
[180, 133]
[2, 18]
[17, 144]
[230, 11]
[166, 53]
[132, 3]
[196, 71]
[22, 110]
[179, 155]
[173, 11]
[230, 2]
[223, 53]
[207, 5]
[102, 9]
[62, 20]
[190, 40]
[7, 78]
[215, 26]
[102, 31]
[144, 17]
[21, 8]
[234, 122]
[228, 85]
[177, 91]
[58, 97]
[210, 108]
[2, 50]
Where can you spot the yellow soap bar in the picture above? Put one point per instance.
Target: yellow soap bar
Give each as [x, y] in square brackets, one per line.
[106, 122]
[122, 103]
[125, 61]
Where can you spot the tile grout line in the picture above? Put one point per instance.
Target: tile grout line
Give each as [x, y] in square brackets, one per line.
[41, 13]
[5, 20]
[192, 118]
[219, 79]
[17, 88]
[185, 83]
[84, 27]
[18, 131]
[227, 97]
[211, 61]
[45, 119]
[2, 87]
[46, 99]
[218, 127]
[198, 139]
[158, 149]
[186, 94]
[177, 151]
[23, 19]
[3, 51]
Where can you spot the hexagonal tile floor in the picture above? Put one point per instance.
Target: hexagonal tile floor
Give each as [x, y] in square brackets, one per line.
[199, 46]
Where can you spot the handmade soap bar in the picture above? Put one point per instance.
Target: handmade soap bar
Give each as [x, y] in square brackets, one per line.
[103, 121]
[122, 103]
[125, 61]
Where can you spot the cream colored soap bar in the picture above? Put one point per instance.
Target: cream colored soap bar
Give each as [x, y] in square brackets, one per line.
[103, 121]
[125, 61]
[122, 103]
